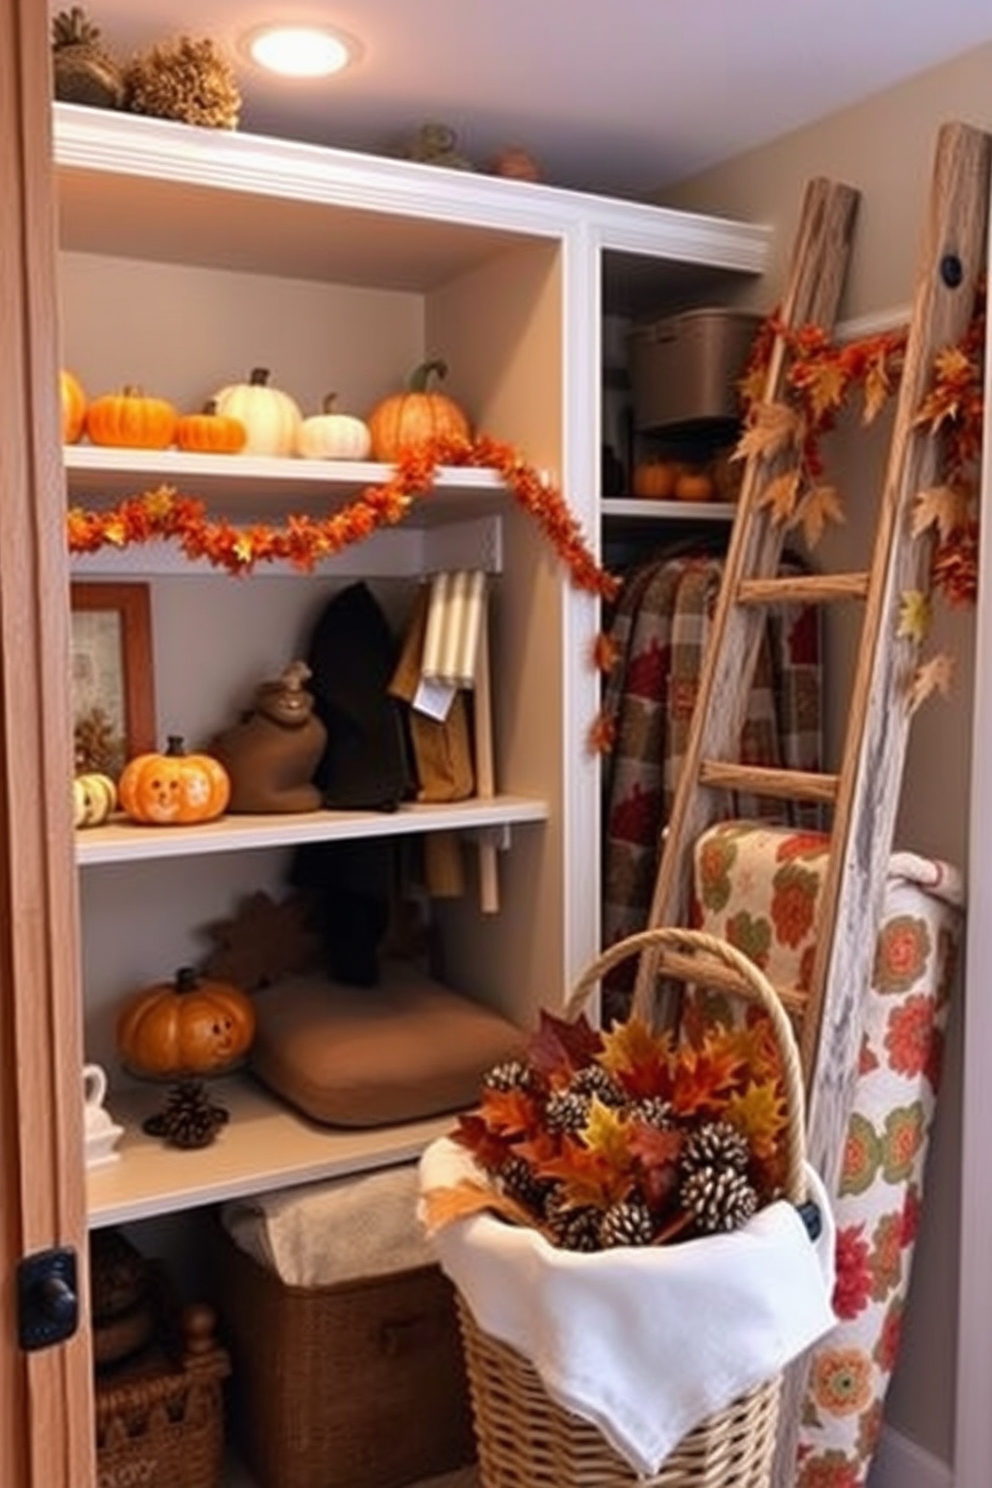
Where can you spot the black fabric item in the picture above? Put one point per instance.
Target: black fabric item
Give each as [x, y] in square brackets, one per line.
[352, 657]
[352, 886]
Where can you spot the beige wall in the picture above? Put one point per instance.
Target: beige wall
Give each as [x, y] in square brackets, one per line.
[884, 147]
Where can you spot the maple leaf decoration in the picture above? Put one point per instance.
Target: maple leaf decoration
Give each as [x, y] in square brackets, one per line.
[637, 1054]
[935, 675]
[915, 615]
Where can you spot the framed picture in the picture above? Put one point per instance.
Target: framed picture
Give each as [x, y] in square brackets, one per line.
[113, 694]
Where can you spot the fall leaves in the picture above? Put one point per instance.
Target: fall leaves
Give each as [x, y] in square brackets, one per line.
[819, 381]
[594, 1123]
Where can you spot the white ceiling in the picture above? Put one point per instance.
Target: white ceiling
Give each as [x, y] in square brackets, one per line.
[622, 96]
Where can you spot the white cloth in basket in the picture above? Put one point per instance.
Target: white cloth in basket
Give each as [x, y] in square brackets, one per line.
[642, 1343]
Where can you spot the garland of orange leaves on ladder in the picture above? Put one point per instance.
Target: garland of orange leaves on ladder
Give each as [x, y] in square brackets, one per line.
[818, 383]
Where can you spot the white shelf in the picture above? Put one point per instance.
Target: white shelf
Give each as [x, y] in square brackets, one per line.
[124, 841]
[256, 485]
[264, 1145]
[640, 509]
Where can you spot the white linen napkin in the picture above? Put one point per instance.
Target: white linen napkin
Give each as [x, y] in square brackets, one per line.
[643, 1343]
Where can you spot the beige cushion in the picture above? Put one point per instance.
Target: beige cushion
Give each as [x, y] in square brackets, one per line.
[369, 1056]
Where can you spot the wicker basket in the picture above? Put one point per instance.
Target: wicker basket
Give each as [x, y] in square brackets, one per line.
[160, 1418]
[524, 1439]
[358, 1384]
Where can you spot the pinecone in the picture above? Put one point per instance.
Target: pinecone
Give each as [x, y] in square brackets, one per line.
[83, 71]
[511, 1074]
[189, 1118]
[572, 1228]
[628, 1222]
[186, 80]
[518, 1180]
[566, 1111]
[716, 1144]
[719, 1199]
[652, 1110]
[593, 1079]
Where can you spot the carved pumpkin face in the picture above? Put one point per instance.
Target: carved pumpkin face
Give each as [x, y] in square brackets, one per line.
[190, 1026]
[174, 788]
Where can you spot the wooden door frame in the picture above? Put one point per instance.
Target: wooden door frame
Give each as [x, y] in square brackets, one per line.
[46, 1415]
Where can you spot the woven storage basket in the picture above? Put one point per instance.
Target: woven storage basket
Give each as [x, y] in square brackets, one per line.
[160, 1418]
[526, 1440]
[359, 1384]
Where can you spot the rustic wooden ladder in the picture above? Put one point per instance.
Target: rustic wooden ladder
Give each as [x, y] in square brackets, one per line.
[863, 796]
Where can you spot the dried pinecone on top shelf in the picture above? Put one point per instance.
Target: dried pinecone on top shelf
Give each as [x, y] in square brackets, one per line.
[83, 71]
[189, 1118]
[187, 80]
[632, 1137]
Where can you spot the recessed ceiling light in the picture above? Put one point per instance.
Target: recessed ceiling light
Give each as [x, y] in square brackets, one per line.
[300, 51]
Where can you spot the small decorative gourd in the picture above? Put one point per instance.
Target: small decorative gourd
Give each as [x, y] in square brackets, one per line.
[131, 420]
[271, 417]
[654, 478]
[173, 788]
[83, 71]
[73, 400]
[330, 435]
[94, 796]
[211, 433]
[417, 416]
[271, 755]
[192, 1025]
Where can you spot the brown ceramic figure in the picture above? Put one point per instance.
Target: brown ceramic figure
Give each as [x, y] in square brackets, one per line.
[272, 753]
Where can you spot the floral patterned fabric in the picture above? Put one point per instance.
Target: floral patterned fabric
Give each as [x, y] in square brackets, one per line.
[758, 887]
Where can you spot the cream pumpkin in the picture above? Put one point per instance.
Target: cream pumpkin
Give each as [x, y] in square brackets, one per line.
[271, 417]
[94, 796]
[330, 435]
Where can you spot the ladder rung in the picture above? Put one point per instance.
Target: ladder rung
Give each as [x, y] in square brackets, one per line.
[761, 780]
[709, 972]
[803, 589]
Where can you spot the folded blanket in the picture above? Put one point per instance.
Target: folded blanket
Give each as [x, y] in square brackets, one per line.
[642, 1343]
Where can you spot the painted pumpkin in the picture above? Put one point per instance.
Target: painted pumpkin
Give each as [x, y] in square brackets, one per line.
[73, 405]
[131, 420]
[94, 796]
[211, 433]
[174, 788]
[417, 416]
[330, 435]
[189, 1026]
[271, 417]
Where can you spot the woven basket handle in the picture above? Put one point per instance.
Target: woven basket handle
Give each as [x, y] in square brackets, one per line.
[758, 989]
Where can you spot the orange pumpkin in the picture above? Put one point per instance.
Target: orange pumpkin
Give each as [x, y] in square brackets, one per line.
[695, 485]
[73, 401]
[655, 478]
[211, 433]
[190, 1026]
[130, 420]
[174, 788]
[416, 416]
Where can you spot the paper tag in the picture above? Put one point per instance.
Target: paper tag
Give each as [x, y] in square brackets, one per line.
[434, 698]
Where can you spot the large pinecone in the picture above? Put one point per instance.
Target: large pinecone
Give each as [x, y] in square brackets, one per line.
[566, 1111]
[627, 1222]
[83, 71]
[187, 80]
[719, 1199]
[572, 1227]
[189, 1117]
[511, 1074]
[593, 1079]
[518, 1181]
[653, 1110]
[716, 1144]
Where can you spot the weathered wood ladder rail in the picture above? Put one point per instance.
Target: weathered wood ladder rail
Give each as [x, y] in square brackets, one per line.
[862, 798]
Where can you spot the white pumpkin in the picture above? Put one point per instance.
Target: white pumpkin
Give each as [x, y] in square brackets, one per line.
[333, 436]
[271, 417]
[94, 796]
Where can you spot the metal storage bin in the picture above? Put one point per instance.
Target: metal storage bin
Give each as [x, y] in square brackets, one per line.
[684, 369]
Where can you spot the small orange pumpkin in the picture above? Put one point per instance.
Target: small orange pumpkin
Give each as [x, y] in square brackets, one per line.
[173, 788]
[210, 432]
[131, 420]
[416, 416]
[189, 1026]
[655, 478]
[73, 400]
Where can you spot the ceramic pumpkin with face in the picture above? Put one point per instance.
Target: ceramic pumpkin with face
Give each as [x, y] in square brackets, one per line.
[174, 788]
[192, 1025]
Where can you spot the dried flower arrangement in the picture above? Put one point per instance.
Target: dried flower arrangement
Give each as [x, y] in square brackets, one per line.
[628, 1137]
